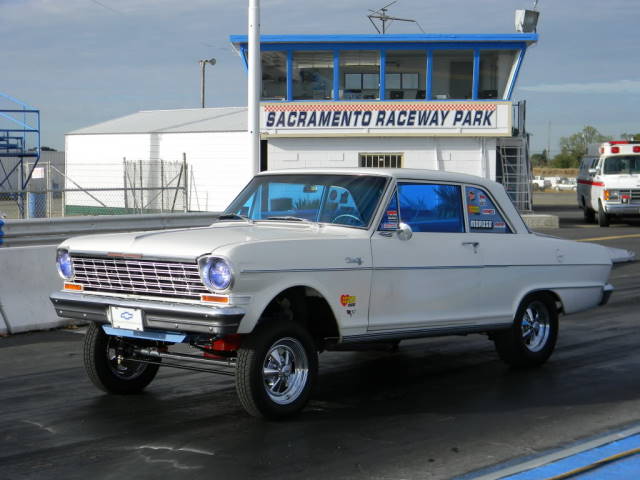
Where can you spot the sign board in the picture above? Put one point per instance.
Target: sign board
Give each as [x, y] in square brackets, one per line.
[38, 172]
[491, 118]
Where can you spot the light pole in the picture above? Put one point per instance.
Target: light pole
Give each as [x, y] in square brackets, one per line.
[255, 79]
[212, 62]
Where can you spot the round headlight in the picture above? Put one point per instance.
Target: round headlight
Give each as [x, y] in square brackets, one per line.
[65, 266]
[216, 274]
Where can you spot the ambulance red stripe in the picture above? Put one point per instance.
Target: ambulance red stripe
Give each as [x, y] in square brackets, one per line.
[589, 182]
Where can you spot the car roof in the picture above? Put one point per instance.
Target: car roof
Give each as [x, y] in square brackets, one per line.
[398, 173]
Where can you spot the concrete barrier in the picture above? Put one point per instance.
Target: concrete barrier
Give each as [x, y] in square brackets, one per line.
[27, 276]
[51, 231]
[540, 221]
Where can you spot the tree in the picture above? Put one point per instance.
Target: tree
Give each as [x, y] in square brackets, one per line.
[540, 159]
[574, 147]
[631, 137]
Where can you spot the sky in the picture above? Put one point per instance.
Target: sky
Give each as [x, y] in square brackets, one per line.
[81, 62]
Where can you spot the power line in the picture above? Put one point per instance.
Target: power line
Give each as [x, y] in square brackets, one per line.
[107, 7]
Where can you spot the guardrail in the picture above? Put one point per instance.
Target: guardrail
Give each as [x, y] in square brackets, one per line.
[50, 231]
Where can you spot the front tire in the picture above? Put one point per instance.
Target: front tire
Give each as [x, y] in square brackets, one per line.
[603, 218]
[532, 338]
[277, 368]
[589, 214]
[107, 371]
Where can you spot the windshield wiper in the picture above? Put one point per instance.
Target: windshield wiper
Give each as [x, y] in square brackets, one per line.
[234, 216]
[288, 219]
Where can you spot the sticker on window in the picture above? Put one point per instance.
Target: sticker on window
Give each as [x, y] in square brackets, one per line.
[482, 213]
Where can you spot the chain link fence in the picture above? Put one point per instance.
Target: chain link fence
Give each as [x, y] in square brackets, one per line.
[129, 187]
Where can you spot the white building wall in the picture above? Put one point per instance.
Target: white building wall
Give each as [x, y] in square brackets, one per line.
[219, 162]
[96, 161]
[471, 155]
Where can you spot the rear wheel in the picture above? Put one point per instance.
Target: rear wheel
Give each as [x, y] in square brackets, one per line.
[532, 338]
[603, 218]
[106, 367]
[277, 368]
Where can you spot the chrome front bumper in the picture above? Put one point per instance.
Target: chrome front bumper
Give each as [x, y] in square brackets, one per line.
[167, 316]
[624, 209]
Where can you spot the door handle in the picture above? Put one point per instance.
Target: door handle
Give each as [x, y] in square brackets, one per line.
[475, 245]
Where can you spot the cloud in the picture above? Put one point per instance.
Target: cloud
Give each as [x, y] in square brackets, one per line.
[613, 87]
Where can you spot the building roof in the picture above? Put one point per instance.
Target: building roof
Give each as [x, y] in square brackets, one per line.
[527, 38]
[226, 119]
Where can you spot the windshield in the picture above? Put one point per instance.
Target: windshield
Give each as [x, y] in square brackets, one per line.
[622, 164]
[339, 199]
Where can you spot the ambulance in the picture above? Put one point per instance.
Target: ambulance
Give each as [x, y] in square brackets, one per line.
[609, 182]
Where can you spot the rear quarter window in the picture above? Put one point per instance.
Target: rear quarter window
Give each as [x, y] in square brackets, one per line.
[483, 215]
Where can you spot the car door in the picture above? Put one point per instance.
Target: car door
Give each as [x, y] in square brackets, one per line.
[432, 279]
[502, 253]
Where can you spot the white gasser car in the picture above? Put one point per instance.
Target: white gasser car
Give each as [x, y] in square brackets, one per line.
[312, 260]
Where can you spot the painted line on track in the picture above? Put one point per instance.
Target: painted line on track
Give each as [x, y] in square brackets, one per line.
[585, 456]
[614, 237]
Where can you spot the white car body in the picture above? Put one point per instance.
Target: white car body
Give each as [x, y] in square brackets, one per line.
[566, 185]
[605, 192]
[374, 284]
[541, 183]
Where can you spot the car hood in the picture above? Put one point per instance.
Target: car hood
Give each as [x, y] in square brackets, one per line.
[622, 181]
[191, 243]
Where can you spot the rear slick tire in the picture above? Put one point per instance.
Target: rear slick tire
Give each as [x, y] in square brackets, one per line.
[532, 338]
[277, 368]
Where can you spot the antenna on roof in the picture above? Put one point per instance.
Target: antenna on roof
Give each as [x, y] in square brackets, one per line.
[383, 18]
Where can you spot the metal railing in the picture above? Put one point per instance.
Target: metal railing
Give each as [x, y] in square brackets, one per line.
[50, 231]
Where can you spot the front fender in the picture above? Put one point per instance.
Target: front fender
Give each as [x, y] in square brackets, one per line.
[346, 292]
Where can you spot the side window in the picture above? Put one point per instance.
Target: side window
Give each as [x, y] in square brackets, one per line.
[431, 207]
[484, 217]
[390, 217]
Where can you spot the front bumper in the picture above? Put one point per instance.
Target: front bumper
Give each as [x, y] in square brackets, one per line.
[167, 316]
[622, 209]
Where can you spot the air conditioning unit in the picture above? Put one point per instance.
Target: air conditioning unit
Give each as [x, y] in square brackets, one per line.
[526, 21]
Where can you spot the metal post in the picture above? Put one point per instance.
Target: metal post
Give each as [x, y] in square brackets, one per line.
[202, 64]
[161, 186]
[48, 187]
[141, 191]
[186, 182]
[253, 100]
[124, 184]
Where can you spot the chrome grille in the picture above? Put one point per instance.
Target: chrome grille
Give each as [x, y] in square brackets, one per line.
[141, 277]
[635, 195]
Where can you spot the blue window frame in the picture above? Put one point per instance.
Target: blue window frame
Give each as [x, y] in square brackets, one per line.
[483, 43]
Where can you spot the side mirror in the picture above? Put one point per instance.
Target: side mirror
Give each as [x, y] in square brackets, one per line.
[593, 171]
[404, 231]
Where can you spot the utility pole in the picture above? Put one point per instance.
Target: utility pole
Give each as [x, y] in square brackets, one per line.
[548, 159]
[212, 62]
[255, 78]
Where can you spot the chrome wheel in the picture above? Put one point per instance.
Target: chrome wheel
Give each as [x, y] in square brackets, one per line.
[285, 371]
[535, 326]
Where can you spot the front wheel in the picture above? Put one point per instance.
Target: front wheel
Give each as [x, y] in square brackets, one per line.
[106, 367]
[603, 218]
[277, 368]
[531, 339]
